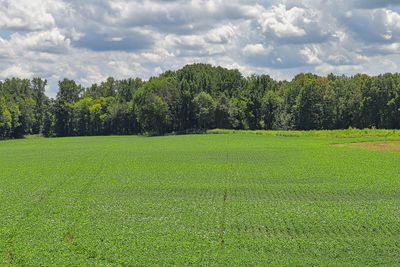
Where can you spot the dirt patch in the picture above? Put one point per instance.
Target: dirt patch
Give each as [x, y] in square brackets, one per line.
[391, 146]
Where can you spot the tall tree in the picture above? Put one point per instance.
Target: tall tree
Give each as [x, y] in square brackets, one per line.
[69, 93]
[205, 110]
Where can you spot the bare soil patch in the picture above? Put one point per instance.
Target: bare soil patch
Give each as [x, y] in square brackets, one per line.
[391, 146]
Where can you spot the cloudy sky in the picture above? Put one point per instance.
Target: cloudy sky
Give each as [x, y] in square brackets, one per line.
[93, 39]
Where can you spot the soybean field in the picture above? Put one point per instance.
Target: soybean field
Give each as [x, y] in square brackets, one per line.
[224, 199]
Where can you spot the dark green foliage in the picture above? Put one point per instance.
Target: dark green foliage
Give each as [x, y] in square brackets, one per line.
[270, 108]
[48, 120]
[198, 97]
[5, 119]
[205, 110]
[151, 112]
[153, 105]
[23, 104]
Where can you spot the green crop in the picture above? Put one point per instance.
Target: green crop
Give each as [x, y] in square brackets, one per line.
[210, 200]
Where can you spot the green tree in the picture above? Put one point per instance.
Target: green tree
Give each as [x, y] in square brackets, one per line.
[156, 105]
[49, 120]
[69, 93]
[222, 112]
[270, 106]
[237, 113]
[41, 102]
[151, 112]
[119, 120]
[309, 102]
[5, 120]
[199, 96]
[81, 116]
[205, 110]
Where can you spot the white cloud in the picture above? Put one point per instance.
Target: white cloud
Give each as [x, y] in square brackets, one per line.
[221, 35]
[377, 25]
[16, 71]
[45, 41]
[27, 14]
[91, 40]
[311, 55]
[292, 24]
[374, 3]
[256, 49]
[284, 23]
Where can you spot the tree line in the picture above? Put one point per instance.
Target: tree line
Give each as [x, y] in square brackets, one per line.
[199, 97]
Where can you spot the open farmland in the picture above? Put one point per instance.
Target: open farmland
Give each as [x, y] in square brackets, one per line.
[215, 199]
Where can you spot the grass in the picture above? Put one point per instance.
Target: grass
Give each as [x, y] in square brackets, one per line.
[214, 199]
[348, 133]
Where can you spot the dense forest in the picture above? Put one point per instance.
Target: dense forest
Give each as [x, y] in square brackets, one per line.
[199, 97]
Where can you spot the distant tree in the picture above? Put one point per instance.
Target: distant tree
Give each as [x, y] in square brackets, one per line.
[309, 102]
[41, 103]
[185, 115]
[222, 112]
[5, 120]
[205, 110]
[81, 116]
[237, 113]
[270, 105]
[126, 88]
[199, 96]
[255, 89]
[69, 93]
[156, 105]
[151, 112]
[49, 120]
[118, 119]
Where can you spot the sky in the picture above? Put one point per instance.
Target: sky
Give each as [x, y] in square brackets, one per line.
[91, 40]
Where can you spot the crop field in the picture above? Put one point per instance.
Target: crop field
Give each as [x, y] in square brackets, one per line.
[222, 199]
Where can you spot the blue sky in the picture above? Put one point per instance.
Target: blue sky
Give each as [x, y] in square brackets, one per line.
[93, 39]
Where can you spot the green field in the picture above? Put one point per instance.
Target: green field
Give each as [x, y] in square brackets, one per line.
[213, 199]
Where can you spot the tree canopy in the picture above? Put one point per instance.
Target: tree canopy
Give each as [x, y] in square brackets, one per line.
[199, 97]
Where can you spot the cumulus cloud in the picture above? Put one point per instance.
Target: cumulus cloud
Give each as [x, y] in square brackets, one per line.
[25, 15]
[51, 41]
[289, 24]
[110, 42]
[16, 71]
[256, 50]
[378, 25]
[221, 35]
[375, 3]
[181, 13]
[91, 40]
